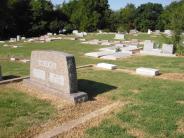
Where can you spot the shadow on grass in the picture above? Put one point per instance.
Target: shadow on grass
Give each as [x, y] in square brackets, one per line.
[93, 88]
[10, 77]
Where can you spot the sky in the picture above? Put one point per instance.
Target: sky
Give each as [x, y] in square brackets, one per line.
[117, 4]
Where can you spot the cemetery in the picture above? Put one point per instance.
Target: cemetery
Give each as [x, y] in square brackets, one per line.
[74, 81]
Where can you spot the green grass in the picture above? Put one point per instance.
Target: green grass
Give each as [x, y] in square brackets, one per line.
[19, 112]
[153, 108]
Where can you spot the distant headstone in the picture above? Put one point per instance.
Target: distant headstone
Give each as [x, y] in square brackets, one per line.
[167, 49]
[55, 73]
[149, 31]
[168, 32]
[23, 38]
[13, 40]
[157, 32]
[75, 31]
[119, 36]
[18, 37]
[134, 31]
[148, 45]
[49, 34]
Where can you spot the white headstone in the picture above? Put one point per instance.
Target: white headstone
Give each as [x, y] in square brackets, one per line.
[148, 45]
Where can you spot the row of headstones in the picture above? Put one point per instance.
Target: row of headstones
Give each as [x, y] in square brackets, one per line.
[166, 48]
[157, 32]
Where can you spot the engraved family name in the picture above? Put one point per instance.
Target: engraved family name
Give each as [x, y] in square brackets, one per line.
[55, 71]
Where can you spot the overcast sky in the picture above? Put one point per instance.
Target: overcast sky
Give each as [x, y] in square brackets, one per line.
[117, 4]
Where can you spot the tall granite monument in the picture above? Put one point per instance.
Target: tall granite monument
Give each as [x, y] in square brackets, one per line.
[55, 73]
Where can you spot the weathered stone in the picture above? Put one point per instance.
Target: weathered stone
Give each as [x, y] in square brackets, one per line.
[106, 66]
[147, 71]
[55, 72]
[167, 49]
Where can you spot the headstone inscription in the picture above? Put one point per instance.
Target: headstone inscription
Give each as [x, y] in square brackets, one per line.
[55, 72]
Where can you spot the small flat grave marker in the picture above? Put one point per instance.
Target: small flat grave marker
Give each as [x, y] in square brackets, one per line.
[147, 72]
[106, 66]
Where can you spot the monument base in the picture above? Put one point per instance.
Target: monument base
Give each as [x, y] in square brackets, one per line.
[73, 97]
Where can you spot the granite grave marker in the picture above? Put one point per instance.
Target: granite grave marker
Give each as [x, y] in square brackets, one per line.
[55, 72]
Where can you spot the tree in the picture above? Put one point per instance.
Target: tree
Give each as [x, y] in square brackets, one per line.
[147, 16]
[126, 17]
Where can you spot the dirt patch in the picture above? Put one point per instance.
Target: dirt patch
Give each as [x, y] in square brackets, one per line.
[180, 125]
[180, 102]
[172, 76]
[65, 111]
[135, 91]
[136, 132]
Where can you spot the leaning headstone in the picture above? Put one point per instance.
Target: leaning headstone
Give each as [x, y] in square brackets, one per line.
[148, 45]
[106, 66]
[167, 49]
[55, 73]
[147, 72]
[0, 74]
[119, 36]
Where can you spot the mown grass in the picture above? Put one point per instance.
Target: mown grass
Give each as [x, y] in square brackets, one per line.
[18, 112]
[153, 109]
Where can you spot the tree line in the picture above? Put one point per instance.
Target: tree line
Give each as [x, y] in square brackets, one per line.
[37, 17]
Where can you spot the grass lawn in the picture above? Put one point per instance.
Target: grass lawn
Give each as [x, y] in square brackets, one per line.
[155, 108]
[18, 112]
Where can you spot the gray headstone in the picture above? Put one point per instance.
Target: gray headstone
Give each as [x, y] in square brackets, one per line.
[167, 49]
[148, 45]
[56, 71]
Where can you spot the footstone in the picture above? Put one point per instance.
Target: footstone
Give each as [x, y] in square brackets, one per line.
[106, 66]
[99, 54]
[147, 72]
[167, 49]
[55, 73]
[117, 55]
